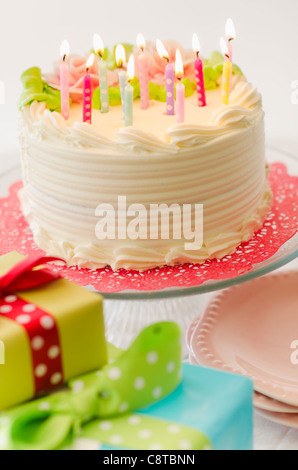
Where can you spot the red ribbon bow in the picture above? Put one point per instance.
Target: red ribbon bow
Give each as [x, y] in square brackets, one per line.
[40, 326]
[23, 276]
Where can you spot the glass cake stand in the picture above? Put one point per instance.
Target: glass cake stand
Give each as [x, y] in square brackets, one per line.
[128, 312]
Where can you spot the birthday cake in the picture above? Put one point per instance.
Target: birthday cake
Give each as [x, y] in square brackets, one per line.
[80, 160]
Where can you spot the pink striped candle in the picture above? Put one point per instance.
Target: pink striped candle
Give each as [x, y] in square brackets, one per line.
[200, 83]
[170, 78]
[87, 92]
[143, 73]
[180, 89]
[64, 80]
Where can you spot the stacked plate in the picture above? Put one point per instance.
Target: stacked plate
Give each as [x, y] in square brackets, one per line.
[252, 329]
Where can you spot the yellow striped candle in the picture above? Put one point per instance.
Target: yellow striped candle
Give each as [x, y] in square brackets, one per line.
[226, 75]
[103, 74]
[64, 80]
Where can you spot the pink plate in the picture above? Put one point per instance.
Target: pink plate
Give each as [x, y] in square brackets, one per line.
[190, 332]
[286, 419]
[250, 329]
[268, 404]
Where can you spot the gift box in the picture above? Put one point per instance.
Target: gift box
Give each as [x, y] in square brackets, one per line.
[218, 405]
[146, 399]
[51, 330]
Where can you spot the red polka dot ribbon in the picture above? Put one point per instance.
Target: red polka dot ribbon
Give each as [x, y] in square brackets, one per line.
[40, 326]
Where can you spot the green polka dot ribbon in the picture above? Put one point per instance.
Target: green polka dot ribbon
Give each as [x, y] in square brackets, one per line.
[101, 405]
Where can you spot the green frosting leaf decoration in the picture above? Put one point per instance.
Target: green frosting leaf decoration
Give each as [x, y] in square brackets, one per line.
[96, 103]
[115, 95]
[157, 92]
[36, 89]
[214, 59]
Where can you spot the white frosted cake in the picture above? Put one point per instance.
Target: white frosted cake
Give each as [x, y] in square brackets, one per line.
[215, 158]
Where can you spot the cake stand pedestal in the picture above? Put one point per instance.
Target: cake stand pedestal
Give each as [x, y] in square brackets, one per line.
[124, 319]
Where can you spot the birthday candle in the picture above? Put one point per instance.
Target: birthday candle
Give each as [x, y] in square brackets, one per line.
[87, 92]
[103, 74]
[226, 75]
[143, 73]
[200, 83]
[170, 76]
[180, 89]
[120, 60]
[64, 80]
[231, 35]
[128, 109]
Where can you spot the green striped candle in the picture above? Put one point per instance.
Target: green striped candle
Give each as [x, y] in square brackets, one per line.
[128, 107]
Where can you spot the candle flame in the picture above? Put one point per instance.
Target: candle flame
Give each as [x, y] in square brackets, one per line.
[131, 68]
[230, 30]
[90, 62]
[120, 55]
[196, 43]
[64, 49]
[162, 52]
[98, 45]
[179, 69]
[224, 47]
[141, 43]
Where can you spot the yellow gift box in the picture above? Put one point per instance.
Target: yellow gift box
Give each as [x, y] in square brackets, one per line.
[78, 314]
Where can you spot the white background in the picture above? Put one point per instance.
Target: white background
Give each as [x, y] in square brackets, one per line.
[266, 47]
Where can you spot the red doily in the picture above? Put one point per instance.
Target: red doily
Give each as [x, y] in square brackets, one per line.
[280, 226]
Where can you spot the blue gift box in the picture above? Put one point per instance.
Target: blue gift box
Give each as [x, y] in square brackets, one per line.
[218, 404]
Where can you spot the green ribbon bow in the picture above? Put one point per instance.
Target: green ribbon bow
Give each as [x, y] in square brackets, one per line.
[100, 405]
